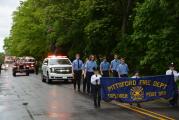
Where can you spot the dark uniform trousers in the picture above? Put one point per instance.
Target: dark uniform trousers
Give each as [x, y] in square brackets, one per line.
[88, 77]
[115, 73]
[97, 95]
[77, 78]
[174, 101]
[105, 73]
[84, 83]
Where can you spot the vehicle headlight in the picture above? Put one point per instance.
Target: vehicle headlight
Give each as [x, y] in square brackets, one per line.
[52, 70]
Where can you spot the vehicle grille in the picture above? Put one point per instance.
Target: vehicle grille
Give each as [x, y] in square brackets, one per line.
[63, 70]
[21, 67]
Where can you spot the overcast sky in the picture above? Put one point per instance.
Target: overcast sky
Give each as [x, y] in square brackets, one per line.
[6, 9]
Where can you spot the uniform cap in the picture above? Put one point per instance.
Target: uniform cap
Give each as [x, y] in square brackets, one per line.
[172, 65]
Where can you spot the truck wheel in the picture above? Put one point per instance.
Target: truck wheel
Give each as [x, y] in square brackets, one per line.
[14, 74]
[66, 81]
[36, 73]
[48, 80]
[27, 73]
[42, 77]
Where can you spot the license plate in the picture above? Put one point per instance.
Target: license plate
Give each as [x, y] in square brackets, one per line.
[64, 77]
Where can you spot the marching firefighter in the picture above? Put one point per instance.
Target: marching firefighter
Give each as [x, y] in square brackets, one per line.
[172, 71]
[104, 67]
[91, 63]
[114, 65]
[77, 71]
[96, 87]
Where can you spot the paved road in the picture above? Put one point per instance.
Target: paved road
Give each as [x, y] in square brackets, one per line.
[27, 98]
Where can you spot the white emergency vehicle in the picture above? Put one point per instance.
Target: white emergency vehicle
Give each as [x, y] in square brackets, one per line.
[56, 68]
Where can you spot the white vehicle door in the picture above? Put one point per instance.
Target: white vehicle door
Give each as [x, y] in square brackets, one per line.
[44, 67]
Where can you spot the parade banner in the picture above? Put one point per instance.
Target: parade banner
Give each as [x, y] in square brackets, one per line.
[137, 89]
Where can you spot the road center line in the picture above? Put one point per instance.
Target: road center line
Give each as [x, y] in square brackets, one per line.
[145, 112]
[169, 118]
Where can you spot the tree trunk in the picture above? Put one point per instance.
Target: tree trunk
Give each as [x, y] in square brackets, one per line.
[125, 18]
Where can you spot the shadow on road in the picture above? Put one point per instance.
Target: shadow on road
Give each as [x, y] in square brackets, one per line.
[60, 83]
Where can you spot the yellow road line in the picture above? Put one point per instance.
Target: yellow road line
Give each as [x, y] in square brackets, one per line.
[169, 118]
[141, 112]
[145, 112]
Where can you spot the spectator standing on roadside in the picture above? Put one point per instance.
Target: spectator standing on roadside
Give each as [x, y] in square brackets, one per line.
[37, 67]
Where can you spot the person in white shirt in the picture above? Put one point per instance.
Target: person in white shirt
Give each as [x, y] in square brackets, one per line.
[173, 72]
[136, 75]
[96, 87]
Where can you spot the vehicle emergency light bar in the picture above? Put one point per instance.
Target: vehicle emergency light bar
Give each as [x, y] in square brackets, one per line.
[54, 56]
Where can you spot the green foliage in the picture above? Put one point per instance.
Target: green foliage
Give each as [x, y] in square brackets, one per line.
[156, 33]
[1, 58]
[145, 32]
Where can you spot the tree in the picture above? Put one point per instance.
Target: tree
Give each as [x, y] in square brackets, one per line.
[131, 28]
[1, 58]
[156, 36]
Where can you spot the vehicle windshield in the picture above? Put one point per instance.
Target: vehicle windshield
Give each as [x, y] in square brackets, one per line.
[30, 60]
[59, 62]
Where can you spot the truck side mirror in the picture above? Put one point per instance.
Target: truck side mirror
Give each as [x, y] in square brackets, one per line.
[45, 63]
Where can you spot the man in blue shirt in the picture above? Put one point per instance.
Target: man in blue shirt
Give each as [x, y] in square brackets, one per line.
[123, 69]
[105, 67]
[77, 71]
[114, 65]
[89, 67]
